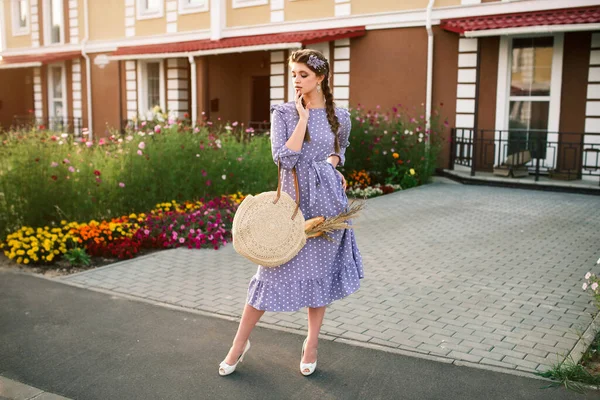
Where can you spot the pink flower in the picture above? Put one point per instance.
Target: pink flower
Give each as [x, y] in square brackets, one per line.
[157, 129]
[146, 232]
[192, 231]
[142, 145]
[121, 184]
[101, 141]
[71, 169]
[181, 240]
[89, 144]
[208, 182]
[203, 173]
[140, 153]
[54, 164]
[66, 161]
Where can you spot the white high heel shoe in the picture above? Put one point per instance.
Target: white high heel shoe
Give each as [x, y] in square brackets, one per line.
[306, 366]
[226, 369]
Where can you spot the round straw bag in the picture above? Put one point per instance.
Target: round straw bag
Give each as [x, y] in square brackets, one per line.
[268, 229]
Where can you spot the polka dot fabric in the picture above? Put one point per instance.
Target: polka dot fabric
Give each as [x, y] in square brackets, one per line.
[323, 271]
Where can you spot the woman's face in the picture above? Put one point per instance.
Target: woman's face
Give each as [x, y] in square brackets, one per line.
[303, 78]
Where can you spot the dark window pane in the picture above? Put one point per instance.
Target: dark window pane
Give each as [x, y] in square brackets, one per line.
[531, 69]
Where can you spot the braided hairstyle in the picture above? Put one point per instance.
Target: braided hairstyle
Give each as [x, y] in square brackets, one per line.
[302, 56]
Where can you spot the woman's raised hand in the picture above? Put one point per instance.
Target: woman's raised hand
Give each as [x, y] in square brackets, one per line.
[302, 111]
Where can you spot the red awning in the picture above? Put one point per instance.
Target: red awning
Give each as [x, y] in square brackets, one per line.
[304, 37]
[566, 16]
[45, 58]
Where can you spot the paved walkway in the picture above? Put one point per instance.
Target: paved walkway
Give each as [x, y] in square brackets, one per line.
[480, 274]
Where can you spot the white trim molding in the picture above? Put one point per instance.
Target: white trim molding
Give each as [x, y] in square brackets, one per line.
[172, 14]
[49, 93]
[143, 108]
[185, 7]
[248, 3]
[277, 11]
[144, 13]
[592, 107]
[129, 18]
[38, 105]
[76, 87]
[15, 10]
[343, 8]
[178, 96]
[3, 28]
[534, 29]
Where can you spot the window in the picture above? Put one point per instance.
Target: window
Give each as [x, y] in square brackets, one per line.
[248, 3]
[152, 88]
[57, 92]
[147, 9]
[190, 6]
[20, 17]
[54, 21]
[529, 98]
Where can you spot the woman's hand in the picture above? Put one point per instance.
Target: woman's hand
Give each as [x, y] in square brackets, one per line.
[344, 183]
[302, 111]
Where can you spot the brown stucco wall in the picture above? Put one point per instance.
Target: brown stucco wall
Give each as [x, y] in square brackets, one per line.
[16, 94]
[576, 63]
[105, 98]
[230, 80]
[388, 67]
[445, 76]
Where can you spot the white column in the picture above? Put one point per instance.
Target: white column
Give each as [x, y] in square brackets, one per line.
[172, 16]
[77, 92]
[278, 77]
[592, 107]
[342, 8]
[340, 62]
[277, 13]
[73, 21]
[35, 25]
[129, 18]
[177, 86]
[38, 105]
[131, 88]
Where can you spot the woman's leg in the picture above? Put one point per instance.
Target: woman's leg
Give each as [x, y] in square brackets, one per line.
[250, 317]
[315, 320]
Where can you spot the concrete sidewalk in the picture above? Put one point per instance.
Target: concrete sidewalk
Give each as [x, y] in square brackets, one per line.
[469, 273]
[82, 344]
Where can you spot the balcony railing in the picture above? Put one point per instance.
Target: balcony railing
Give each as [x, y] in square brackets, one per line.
[70, 125]
[558, 155]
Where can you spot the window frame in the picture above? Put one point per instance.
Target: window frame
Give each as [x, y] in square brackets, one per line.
[143, 108]
[50, 93]
[185, 8]
[248, 3]
[47, 9]
[143, 13]
[15, 17]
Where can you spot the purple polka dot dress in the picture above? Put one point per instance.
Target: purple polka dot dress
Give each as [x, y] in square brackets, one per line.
[323, 271]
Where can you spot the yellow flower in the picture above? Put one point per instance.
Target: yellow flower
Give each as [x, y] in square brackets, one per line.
[26, 261]
[395, 155]
[412, 171]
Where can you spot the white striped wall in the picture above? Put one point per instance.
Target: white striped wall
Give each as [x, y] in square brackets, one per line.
[73, 21]
[278, 77]
[131, 88]
[342, 8]
[76, 88]
[467, 83]
[38, 105]
[592, 106]
[129, 18]
[172, 12]
[35, 24]
[277, 13]
[341, 72]
[177, 87]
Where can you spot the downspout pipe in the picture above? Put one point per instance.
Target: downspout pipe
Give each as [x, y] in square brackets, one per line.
[88, 69]
[193, 71]
[429, 89]
[429, 66]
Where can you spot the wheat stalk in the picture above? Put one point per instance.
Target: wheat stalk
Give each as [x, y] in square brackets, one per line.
[328, 225]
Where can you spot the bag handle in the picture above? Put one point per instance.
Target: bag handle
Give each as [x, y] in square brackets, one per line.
[295, 187]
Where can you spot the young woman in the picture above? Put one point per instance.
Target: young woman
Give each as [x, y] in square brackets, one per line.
[310, 134]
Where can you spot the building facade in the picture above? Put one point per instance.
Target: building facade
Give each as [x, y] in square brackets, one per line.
[504, 71]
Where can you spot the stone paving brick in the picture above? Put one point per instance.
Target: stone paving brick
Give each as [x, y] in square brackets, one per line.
[517, 291]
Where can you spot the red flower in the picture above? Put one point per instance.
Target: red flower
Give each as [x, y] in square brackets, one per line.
[96, 172]
[54, 177]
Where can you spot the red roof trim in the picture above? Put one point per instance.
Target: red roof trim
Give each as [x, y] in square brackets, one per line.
[45, 58]
[304, 37]
[579, 15]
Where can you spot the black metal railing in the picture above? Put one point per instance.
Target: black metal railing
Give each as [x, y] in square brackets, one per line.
[558, 155]
[70, 125]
